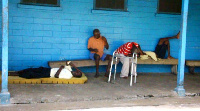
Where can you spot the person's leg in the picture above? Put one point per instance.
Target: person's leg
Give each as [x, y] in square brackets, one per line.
[97, 59]
[168, 48]
[109, 58]
[161, 48]
[162, 40]
[125, 67]
[177, 36]
[13, 73]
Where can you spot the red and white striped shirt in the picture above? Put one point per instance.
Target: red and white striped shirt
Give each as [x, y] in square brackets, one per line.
[126, 48]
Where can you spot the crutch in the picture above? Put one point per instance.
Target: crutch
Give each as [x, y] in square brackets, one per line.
[115, 68]
[111, 66]
[133, 68]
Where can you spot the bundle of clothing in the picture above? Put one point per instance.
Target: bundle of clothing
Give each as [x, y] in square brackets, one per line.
[149, 54]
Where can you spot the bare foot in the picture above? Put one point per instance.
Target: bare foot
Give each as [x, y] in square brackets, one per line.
[106, 74]
[170, 57]
[134, 76]
[178, 35]
[125, 77]
[13, 73]
[96, 75]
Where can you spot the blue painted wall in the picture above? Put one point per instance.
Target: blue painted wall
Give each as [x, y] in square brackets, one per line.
[38, 34]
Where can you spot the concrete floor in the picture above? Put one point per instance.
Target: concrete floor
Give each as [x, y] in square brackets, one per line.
[150, 90]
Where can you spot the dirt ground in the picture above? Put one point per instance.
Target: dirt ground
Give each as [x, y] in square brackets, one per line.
[151, 90]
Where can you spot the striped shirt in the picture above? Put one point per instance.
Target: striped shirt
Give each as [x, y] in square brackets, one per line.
[126, 48]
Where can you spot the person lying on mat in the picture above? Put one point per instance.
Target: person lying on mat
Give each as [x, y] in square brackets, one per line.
[163, 46]
[124, 52]
[64, 72]
[96, 45]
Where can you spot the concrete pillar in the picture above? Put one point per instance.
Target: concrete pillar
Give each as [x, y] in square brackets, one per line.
[181, 59]
[5, 95]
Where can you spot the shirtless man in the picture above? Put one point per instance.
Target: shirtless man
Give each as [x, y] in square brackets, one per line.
[164, 45]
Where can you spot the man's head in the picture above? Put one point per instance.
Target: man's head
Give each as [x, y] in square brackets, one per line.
[96, 33]
[134, 49]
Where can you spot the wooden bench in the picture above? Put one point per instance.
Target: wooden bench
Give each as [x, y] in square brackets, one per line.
[173, 62]
[85, 63]
[77, 63]
[192, 64]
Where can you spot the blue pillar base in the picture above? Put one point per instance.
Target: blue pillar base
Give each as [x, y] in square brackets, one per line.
[5, 98]
[180, 91]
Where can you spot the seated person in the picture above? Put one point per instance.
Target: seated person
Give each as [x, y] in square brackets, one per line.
[41, 72]
[130, 47]
[96, 45]
[164, 45]
[124, 52]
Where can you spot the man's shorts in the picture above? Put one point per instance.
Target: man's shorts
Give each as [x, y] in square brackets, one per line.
[102, 58]
[161, 51]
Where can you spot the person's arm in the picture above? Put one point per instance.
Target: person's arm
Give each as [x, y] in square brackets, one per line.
[106, 42]
[93, 50]
[58, 72]
[134, 49]
[89, 47]
[72, 65]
